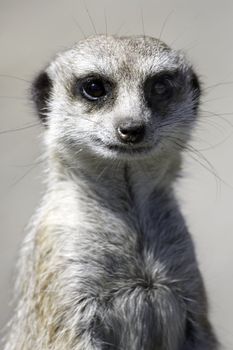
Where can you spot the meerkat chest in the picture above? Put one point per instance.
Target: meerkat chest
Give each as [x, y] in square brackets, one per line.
[121, 244]
[118, 268]
[120, 280]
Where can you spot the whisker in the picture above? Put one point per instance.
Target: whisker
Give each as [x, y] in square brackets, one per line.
[222, 114]
[8, 131]
[106, 23]
[142, 21]
[79, 27]
[192, 45]
[85, 118]
[18, 180]
[217, 99]
[217, 85]
[174, 133]
[190, 151]
[201, 119]
[209, 167]
[218, 115]
[39, 161]
[120, 28]
[14, 77]
[90, 18]
[164, 24]
[14, 98]
[217, 144]
[24, 175]
[206, 120]
[186, 30]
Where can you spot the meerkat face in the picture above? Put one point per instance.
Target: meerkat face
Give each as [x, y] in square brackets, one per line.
[122, 97]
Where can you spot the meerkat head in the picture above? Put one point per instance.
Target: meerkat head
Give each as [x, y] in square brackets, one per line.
[118, 97]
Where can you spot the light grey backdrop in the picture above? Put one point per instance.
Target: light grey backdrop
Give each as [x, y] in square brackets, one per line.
[31, 32]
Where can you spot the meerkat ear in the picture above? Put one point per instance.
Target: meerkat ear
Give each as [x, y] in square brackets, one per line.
[196, 87]
[40, 92]
[195, 83]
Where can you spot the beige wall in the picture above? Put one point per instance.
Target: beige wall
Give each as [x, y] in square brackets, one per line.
[32, 31]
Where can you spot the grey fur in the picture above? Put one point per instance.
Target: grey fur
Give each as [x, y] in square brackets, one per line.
[109, 263]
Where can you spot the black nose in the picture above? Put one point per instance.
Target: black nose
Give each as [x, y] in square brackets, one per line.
[130, 133]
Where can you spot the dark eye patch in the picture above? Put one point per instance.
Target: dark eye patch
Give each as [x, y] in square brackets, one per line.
[161, 89]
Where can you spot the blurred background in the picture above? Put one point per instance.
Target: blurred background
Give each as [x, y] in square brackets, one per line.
[31, 32]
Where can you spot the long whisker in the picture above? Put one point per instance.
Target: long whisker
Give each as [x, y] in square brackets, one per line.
[19, 179]
[85, 118]
[190, 151]
[209, 167]
[79, 27]
[142, 20]
[185, 30]
[217, 144]
[27, 165]
[106, 22]
[120, 28]
[220, 98]
[14, 98]
[202, 119]
[8, 131]
[164, 24]
[210, 146]
[15, 77]
[90, 18]
[218, 115]
[217, 85]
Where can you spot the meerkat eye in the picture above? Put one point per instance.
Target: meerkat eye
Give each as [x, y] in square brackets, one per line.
[162, 87]
[159, 88]
[93, 89]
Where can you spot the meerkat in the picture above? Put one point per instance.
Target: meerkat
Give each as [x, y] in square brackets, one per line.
[109, 262]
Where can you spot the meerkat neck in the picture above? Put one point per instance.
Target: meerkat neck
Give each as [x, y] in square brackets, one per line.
[114, 181]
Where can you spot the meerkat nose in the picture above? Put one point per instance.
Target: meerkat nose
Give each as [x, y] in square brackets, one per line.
[130, 132]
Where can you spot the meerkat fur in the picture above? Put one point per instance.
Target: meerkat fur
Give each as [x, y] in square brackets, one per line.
[108, 262]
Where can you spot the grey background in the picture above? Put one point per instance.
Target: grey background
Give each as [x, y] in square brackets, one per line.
[31, 32]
